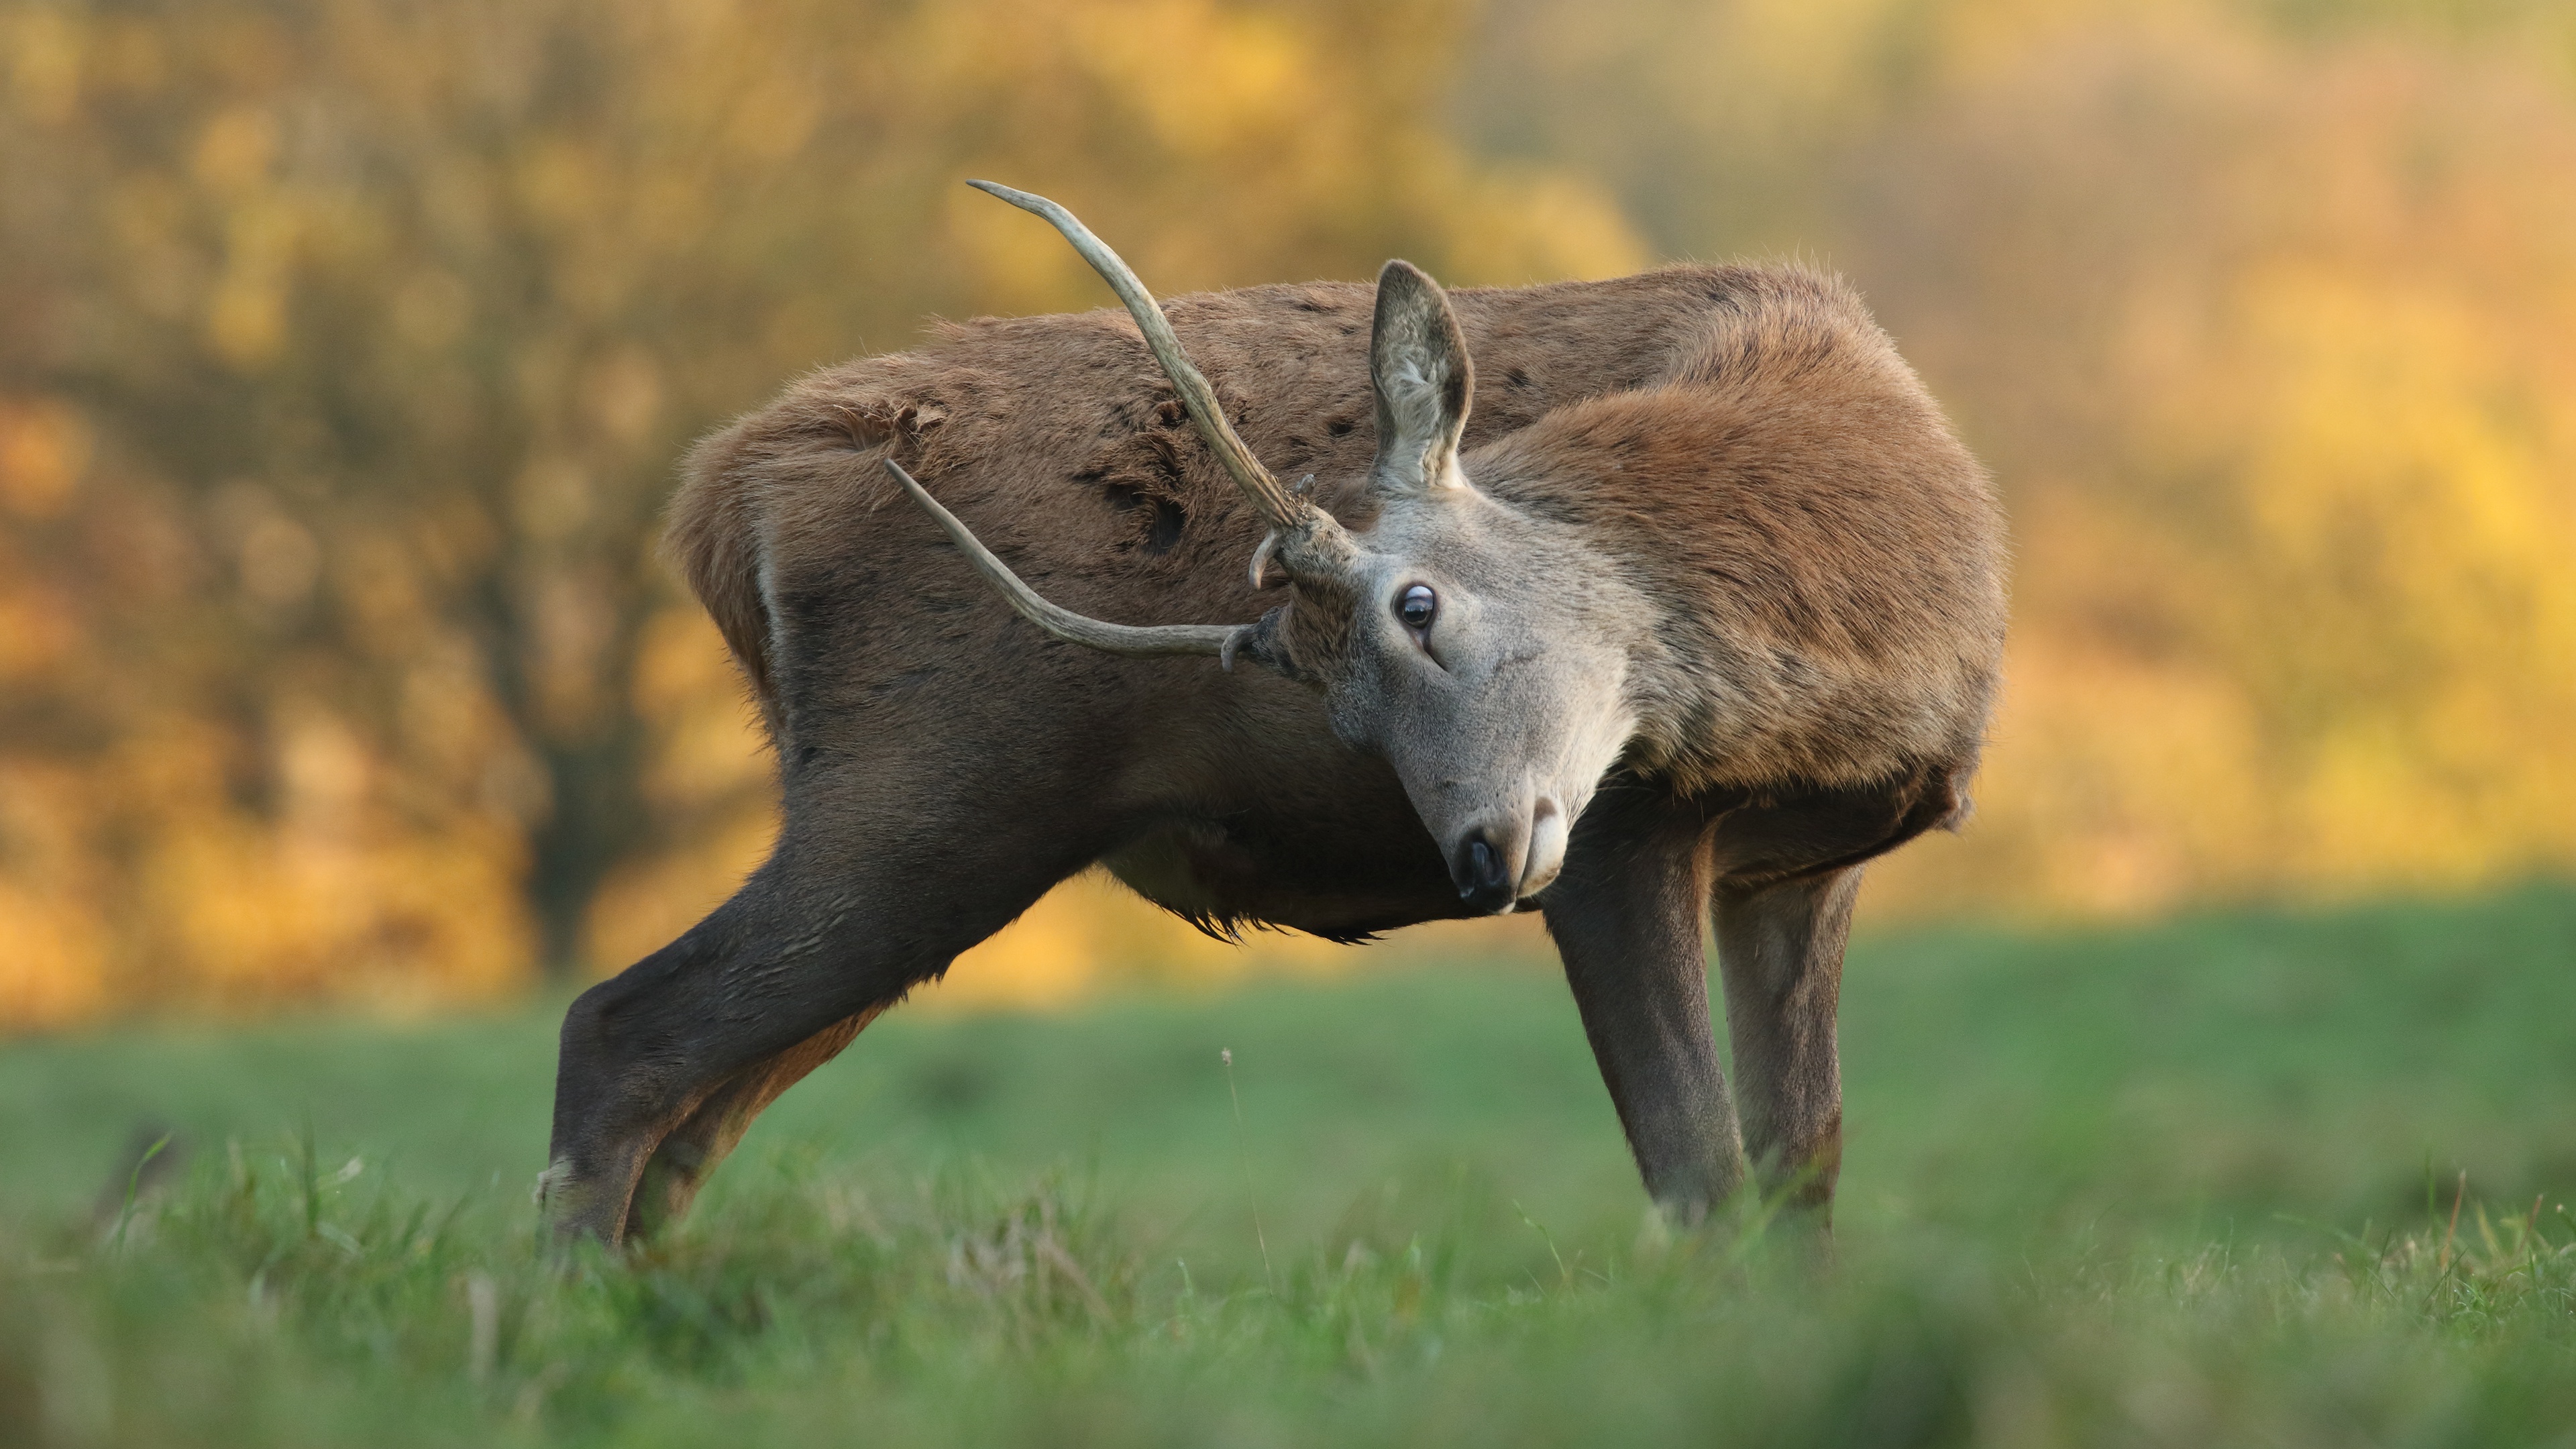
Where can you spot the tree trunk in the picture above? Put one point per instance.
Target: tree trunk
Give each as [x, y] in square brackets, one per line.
[599, 817]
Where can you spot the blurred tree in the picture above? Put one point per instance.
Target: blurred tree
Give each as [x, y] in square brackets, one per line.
[2287, 378]
[2265, 314]
[345, 347]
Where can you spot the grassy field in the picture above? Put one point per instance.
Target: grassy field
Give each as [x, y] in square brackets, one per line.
[2195, 1184]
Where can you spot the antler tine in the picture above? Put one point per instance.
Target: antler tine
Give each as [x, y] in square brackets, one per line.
[1283, 510]
[1129, 639]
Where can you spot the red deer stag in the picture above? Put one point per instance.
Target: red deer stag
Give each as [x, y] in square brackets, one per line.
[1686, 600]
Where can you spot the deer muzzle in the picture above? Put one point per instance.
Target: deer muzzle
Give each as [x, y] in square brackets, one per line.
[1500, 862]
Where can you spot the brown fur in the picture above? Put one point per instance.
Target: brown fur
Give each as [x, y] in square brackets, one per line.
[1740, 448]
[1744, 440]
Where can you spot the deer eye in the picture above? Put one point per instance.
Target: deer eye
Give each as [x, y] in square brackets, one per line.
[1417, 607]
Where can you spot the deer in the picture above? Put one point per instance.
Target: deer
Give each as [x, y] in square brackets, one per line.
[1657, 606]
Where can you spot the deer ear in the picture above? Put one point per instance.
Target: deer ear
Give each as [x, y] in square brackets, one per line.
[1418, 363]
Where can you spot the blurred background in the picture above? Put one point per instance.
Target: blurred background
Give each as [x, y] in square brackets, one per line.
[347, 348]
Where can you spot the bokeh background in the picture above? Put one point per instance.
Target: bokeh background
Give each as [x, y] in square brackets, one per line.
[347, 347]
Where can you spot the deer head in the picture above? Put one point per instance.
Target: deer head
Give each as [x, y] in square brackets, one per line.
[1484, 652]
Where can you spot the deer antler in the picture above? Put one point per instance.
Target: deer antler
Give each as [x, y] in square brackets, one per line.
[1134, 640]
[1305, 538]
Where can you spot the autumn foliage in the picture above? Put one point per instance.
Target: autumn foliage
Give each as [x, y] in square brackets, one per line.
[346, 347]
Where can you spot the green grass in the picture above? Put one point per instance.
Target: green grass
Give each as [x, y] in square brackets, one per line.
[2193, 1184]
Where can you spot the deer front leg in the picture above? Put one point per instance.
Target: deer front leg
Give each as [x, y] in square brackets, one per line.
[1626, 917]
[1780, 950]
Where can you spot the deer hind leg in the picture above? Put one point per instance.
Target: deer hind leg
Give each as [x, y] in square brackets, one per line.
[681, 1164]
[1780, 951]
[1626, 917]
[664, 1066]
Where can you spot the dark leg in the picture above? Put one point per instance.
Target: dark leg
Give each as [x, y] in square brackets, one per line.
[683, 1048]
[1626, 916]
[1780, 949]
[679, 1167]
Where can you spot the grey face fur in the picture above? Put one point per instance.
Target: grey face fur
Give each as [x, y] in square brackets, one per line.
[1504, 710]
[1504, 697]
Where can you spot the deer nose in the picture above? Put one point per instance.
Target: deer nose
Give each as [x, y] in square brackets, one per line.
[1484, 877]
